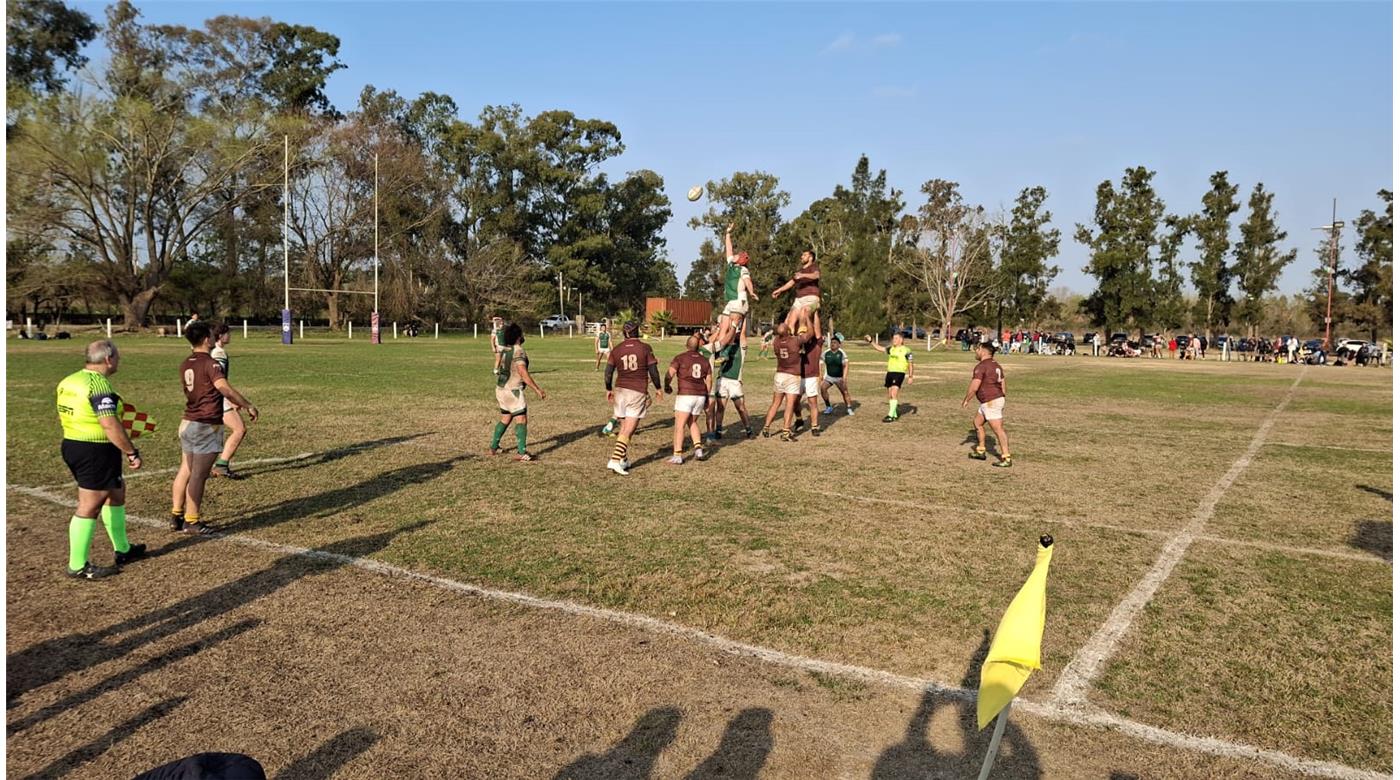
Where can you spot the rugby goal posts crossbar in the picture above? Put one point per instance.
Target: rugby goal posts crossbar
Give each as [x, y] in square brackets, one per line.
[323, 290]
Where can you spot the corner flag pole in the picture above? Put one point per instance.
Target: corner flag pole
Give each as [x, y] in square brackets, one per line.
[286, 262]
[996, 742]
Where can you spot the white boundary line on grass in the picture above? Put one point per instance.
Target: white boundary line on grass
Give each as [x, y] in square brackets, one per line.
[1084, 669]
[1077, 716]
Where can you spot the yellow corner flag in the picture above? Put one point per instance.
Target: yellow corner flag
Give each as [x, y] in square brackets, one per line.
[1015, 650]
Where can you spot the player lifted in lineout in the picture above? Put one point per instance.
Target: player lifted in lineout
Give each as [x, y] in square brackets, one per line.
[512, 378]
[988, 386]
[630, 366]
[738, 289]
[808, 300]
[899, 369]
[691, 371]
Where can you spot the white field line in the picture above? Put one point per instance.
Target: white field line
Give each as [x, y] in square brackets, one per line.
[172, 470]
[1086, 666]
[1078, 716]
[1329, 447]
[1074, 522]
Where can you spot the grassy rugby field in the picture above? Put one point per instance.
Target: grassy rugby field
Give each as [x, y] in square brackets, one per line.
[879, 546]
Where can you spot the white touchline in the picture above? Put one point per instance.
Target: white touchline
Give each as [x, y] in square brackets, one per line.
[172, 470]
[1082, 715]
[1086, 666]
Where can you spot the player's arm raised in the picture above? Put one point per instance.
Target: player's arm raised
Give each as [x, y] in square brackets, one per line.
[236, 397]
[875, 343]
[729, 242]
[788, 285]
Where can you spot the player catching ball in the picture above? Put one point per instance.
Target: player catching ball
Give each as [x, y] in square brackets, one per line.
[899, 370]
[691, 370]
[738, 289]
[834, 361]
[632, 364]
[511, 380]
[989, 388]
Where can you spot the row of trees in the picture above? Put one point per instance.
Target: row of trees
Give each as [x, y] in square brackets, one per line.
[158, 182]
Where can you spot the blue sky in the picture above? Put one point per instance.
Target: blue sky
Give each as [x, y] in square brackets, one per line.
[995, 96]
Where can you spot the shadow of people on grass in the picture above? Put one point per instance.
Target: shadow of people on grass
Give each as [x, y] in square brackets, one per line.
[634, 756]
[742, 750]
[340, 499]
[1376, 537]
[917, 757]
[1386, 494]
[113, 737]
[330, 456]
[51, 660]
[323, 762]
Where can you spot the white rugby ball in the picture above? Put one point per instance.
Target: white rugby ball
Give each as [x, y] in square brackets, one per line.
[695, 193]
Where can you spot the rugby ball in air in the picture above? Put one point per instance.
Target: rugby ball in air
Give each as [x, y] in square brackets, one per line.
[695, 193]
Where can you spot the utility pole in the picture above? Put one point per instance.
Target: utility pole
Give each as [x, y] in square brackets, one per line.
[1335, 229]
[561, 295]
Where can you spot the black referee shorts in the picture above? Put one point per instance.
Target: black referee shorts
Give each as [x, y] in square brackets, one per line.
[96, 465]
[894, 379]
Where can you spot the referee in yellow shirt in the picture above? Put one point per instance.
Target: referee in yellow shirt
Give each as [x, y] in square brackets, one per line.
[899, 369]
[94, 443]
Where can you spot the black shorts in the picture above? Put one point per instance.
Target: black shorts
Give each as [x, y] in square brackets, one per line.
[96, 465]
[894, 379]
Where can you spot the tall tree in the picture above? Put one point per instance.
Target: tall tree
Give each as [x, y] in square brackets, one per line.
[1123, 250]
[1210, 274]
[1258, 259]
[950, 256]
[43, 39]
[1373, 296]
[1026, 244]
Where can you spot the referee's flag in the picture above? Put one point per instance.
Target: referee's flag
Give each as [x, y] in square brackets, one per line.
[1015, 650]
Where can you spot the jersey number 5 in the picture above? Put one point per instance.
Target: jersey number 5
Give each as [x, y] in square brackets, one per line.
[783, 353]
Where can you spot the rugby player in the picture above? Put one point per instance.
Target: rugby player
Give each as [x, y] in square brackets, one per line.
[632, 363]
[94, 442]
[899, 370]
[834, 361]
[988, 386]
[233, 419]
[691, 370]
[602, 343]
[496, 347]
[738, 289]
[808, 295]
[811, 376]
[729, 364]
[787, 380]
[201, 431]
[511, 381]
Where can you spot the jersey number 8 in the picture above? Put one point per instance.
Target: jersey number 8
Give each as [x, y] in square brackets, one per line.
[695, 371]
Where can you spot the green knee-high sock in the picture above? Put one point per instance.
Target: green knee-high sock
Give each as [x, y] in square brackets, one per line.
[520, 437]
[80, 530]
[894, 408]
[497, 434]
[114, 518]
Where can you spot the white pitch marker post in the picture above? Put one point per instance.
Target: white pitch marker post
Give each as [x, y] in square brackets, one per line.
[541, 330]
[245, 329]
[473, 330]
[435, 330]
[179, 328]
[349, 329]
[109, 327]
[301, 330]
[396, 330]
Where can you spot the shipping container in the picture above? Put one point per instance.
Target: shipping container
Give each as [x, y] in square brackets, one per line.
[686, 313]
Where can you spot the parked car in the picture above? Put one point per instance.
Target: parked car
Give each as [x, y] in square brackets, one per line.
[556, 322]
[1313, 352]
[1222, 338]
[1349, 347]
[1145, 343]
[1117, 338]
[1088, 337]
[909, 332]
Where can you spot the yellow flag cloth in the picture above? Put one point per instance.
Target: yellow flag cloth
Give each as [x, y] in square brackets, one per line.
[1015, 650]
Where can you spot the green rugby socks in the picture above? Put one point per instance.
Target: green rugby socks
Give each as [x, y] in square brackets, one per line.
[497, 434]
[894, 408]
[114, 518]
[80, 530]
[520, 436]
